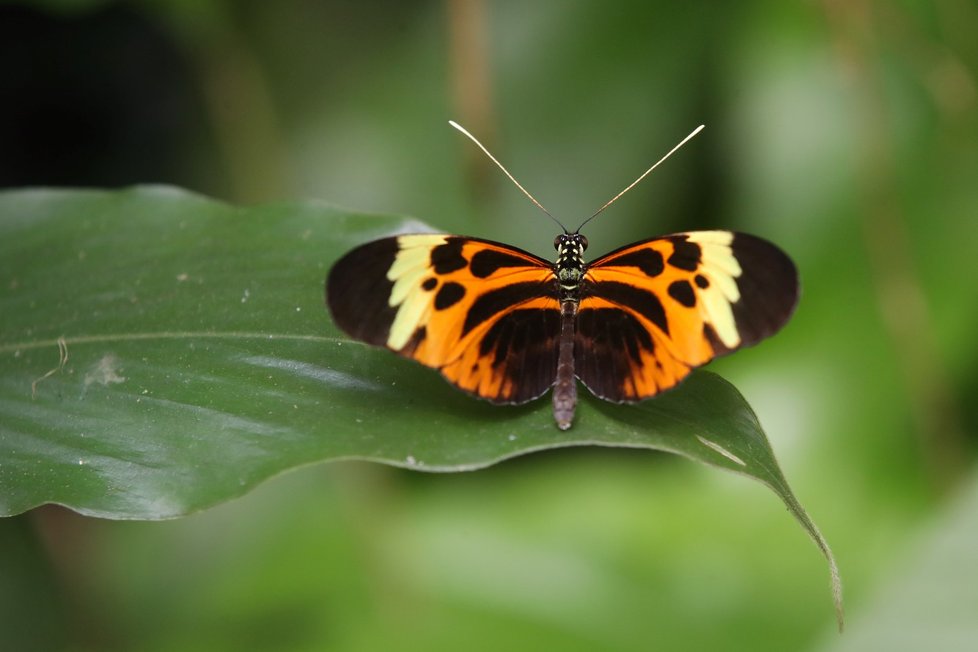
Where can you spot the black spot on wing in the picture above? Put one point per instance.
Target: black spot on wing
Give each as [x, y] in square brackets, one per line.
[686, 255]
[491, 303]
[647, 260]
[357, 291]
[701, 281]
[487, 262]
[429, 284]
[447, 257]
[641, 301]
[522, 345]
[682, 292]
[607, 350]
[449, 294]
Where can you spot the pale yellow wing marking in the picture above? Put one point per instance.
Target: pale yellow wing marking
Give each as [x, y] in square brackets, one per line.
[408, 271]
[720, 267]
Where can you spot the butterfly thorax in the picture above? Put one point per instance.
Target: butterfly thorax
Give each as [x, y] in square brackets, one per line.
[570, 266]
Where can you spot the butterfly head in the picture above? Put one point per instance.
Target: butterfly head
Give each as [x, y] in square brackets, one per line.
[570, 266]
[570, 241]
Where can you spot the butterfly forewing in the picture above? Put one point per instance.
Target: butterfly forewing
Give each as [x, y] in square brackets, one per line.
[652, 311]
[482, 313]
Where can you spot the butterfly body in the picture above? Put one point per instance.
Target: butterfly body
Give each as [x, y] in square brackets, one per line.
[506, 325]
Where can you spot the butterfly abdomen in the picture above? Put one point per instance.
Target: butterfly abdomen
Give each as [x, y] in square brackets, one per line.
[565, 386]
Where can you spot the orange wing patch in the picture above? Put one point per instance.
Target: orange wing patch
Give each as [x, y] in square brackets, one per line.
[652, 311]
[484, 314]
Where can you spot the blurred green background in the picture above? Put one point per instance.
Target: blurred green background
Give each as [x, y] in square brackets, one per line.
[845, 131]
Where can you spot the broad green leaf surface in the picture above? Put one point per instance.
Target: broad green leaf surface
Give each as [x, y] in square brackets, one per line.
[161, 352]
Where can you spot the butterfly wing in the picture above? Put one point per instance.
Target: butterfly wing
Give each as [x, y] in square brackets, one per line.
[652, 311]
[484, 314]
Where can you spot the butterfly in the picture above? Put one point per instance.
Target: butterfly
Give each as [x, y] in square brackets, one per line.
[507, 326]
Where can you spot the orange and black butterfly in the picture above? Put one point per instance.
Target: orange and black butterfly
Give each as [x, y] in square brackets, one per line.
[506, 325]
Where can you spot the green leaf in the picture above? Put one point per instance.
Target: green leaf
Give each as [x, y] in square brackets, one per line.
[161, 352]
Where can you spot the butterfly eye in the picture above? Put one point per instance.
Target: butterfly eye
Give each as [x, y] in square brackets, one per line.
[557, 242]
[583, 243]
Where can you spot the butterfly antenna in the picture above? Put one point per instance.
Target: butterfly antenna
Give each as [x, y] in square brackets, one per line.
[644, 174]
[506, 172]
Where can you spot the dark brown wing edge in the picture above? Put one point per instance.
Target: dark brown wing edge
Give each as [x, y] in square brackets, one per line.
[357, 291]
[769, 289]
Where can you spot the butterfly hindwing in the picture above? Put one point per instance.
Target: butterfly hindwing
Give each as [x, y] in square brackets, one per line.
[652, 311]
[482, 313]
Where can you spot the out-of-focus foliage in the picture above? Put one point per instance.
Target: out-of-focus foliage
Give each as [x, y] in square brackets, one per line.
[844, 131]
[931, 601]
